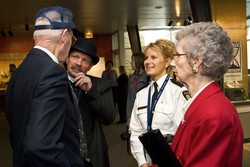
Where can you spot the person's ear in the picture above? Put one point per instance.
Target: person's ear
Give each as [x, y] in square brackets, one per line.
[65, 36]
[196, 65]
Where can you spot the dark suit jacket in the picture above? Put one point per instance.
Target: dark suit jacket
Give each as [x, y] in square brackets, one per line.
[97, 108]
[36, 108]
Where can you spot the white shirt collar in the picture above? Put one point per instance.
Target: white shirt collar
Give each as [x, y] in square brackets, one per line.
[71, 78]
[53, 57]
[197, 93]
[161, 80]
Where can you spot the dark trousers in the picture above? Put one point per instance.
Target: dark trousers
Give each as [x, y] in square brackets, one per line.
[114, 91]
[87, 163]
[121, 103]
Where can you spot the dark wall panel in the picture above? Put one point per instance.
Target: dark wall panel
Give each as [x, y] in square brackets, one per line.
[134, 38]
[201, 10]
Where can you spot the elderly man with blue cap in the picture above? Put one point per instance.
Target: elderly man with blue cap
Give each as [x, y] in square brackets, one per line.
[42, 131]
[93, 97]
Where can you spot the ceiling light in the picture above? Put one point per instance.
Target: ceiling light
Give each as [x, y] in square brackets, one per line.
[158, 4]
[170, 23]
[88, 35]
[158, 7]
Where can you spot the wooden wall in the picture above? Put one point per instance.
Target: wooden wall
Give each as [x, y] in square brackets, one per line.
[104, 46]
[231, 15]
[14, 49]
[22, 44]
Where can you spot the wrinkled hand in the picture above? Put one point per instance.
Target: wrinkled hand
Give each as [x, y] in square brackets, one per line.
[83, 81]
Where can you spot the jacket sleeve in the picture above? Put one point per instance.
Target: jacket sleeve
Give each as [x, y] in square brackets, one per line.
[100, 98]
[136, 129]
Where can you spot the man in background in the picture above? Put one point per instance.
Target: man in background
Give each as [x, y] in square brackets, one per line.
[110, 75]
[37, 97]
[94, 97]
[12, 68]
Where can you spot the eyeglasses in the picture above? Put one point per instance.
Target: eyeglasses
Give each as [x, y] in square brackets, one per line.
[74, 39]
[176, 55]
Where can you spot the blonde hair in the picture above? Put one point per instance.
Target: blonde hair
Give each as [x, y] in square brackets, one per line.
[165, 48]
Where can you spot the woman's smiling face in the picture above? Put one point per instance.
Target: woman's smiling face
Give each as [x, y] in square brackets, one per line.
[155, 64]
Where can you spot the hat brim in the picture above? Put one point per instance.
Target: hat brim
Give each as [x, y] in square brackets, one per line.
[95, 58]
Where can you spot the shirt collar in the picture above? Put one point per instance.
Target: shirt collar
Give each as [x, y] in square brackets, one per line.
[161, 80]
[197, 93]
[53, 57]
[71, 78]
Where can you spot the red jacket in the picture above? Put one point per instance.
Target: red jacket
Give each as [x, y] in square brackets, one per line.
[212, 134]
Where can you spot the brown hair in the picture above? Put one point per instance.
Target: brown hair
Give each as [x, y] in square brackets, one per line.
[139, 58]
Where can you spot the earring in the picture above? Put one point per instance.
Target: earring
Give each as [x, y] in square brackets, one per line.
[194, 70]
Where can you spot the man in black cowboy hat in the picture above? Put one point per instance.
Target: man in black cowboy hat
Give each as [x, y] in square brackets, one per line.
[94, 98]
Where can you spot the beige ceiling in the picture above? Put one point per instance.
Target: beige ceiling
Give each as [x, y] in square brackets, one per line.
[99, 16]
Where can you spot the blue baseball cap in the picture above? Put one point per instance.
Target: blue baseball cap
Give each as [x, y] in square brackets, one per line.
[59, 18]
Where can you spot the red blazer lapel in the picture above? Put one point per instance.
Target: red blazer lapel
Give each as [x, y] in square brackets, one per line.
[208, 91]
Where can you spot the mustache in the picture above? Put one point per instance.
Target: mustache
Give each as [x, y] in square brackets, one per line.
[78, 68]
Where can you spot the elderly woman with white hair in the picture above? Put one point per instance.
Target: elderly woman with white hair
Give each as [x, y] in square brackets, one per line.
[210, 133]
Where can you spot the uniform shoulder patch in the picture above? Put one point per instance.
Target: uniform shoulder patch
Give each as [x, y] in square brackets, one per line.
[186, 94]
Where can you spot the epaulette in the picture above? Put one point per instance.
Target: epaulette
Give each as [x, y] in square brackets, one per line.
[148, 82]
[186, 94]
[176, 82]
[143, 87]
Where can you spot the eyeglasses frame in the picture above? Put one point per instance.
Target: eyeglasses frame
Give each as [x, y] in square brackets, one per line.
[176, 55]
[74, 39]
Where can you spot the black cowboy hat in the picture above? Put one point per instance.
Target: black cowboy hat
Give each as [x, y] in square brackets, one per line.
[87, 47]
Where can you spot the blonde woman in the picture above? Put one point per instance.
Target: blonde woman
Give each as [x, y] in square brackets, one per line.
[164, 113]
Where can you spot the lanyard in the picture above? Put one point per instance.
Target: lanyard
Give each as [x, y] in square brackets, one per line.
[149, 112]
